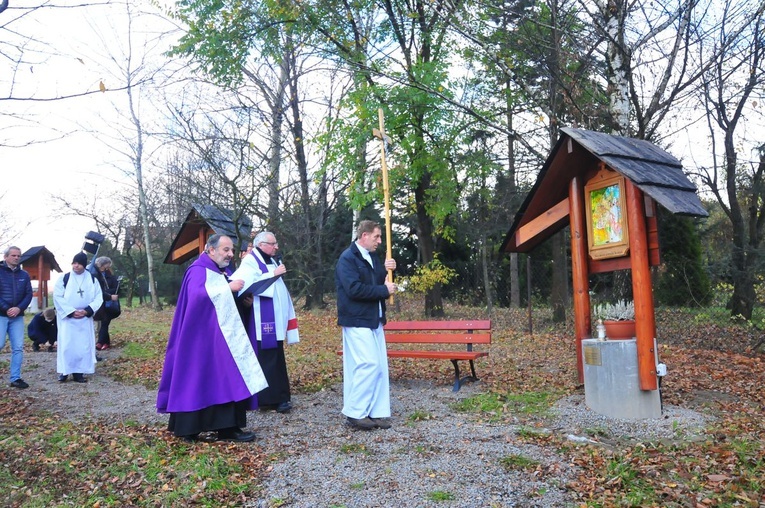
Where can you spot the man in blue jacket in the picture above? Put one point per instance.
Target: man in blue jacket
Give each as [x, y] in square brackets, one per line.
[361, 294]
[15, 297]
[43, 329]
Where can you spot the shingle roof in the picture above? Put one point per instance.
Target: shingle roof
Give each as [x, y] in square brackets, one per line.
[654, 171]
[220, 220]
[657, 173]
[40, 250]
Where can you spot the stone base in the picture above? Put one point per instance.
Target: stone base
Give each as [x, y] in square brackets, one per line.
[611, 383]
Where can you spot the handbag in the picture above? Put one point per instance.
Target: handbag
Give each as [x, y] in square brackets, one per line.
[112, 308]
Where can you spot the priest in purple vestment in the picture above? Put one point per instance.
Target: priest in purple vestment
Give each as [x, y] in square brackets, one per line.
[211, 373]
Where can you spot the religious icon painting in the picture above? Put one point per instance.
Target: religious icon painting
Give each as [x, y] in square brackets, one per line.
[606, 211]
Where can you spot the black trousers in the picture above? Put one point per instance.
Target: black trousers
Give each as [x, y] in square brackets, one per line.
[103, 332]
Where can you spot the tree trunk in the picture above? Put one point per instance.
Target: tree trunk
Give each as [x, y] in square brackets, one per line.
[434, 306]
[138, 165]
[515, 289]
[618, 61]
[559, 296]
[275, 151]
[485, 267]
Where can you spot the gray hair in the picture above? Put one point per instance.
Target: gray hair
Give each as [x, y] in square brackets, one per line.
[9, 249]
[262, 237]
[213, 241]
[103, 261]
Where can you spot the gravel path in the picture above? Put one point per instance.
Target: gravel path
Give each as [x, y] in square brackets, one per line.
[323, 462]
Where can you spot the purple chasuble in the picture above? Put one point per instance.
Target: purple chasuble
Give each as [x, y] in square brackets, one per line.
[199, 370]
[267, 319]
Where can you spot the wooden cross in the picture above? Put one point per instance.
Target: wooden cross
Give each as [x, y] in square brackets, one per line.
[384, 140]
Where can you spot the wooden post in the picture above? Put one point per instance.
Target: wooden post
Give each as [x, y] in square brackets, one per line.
[40, 282]
[579, 272]
[202, 239]
[386, 191]
[642, 293]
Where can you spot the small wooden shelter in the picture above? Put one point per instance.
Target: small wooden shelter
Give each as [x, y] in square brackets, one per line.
[38, 262]
[202, 222]
[606, 189]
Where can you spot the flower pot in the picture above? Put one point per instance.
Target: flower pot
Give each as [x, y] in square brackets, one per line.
[616, 330]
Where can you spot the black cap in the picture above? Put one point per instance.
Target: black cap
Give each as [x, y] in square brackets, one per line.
[80, 258]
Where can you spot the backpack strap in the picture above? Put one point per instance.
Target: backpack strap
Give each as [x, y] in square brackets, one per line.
[66, 278]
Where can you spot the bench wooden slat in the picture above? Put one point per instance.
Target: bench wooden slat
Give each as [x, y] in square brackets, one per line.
[479, 324]
[438, 338]
[437, 355]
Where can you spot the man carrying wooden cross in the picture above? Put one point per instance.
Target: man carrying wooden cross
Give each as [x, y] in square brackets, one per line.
[361, 293]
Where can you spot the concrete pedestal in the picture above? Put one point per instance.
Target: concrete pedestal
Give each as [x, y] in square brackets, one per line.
[611, 384]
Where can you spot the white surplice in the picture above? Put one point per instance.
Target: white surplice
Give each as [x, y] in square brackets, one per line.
[76, 337]
[249, 271]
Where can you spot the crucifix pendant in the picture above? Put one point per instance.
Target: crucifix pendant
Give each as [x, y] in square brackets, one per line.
[80, 292]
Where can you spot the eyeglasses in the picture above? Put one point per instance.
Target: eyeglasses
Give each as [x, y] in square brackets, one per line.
[271, 243]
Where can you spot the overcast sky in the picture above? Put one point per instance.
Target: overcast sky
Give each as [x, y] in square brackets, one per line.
[45, 147]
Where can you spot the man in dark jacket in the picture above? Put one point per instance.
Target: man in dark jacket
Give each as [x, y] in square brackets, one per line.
[43, 329]
[361, 293]
[15, 297]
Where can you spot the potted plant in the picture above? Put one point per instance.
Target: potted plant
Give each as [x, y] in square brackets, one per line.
[618, 318]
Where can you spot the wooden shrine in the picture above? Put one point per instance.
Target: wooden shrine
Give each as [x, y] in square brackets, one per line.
[38, 262]
[606, 188]
[202, 222]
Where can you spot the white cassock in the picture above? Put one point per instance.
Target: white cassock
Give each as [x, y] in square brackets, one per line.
[76, 337]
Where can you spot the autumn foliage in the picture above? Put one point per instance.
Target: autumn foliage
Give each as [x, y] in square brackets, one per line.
[712, 369]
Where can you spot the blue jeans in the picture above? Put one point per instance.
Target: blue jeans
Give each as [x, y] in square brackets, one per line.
[13, 328]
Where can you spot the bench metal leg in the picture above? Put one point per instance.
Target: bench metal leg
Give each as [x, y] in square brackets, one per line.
[457, 381]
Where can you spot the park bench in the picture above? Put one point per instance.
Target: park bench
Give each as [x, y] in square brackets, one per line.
[440, 333]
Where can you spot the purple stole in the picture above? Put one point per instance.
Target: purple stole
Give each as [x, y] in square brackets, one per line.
[267, 319]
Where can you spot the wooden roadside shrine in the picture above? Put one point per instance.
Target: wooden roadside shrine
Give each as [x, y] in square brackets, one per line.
[202, 222]
[38, 262]
[588, 179]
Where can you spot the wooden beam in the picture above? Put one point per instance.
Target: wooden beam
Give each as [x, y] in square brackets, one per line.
[542, 222]
[642, 288]
[184, 249]
[202, 239]
[580, 276]
[40, 285]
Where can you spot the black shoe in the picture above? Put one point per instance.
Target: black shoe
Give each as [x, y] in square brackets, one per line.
[284, 407]
[19, 383]
[191, 438]
[235, 434]
[62, 378]
[362, 423]
[79, 378]
[382, 423]
[35, 346]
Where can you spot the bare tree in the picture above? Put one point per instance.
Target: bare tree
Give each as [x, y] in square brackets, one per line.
[733, 86]
[647, 52]
[131, 52]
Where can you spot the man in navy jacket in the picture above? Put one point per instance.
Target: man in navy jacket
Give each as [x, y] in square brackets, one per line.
[15, 297]
[361, 293]
[43, 329]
